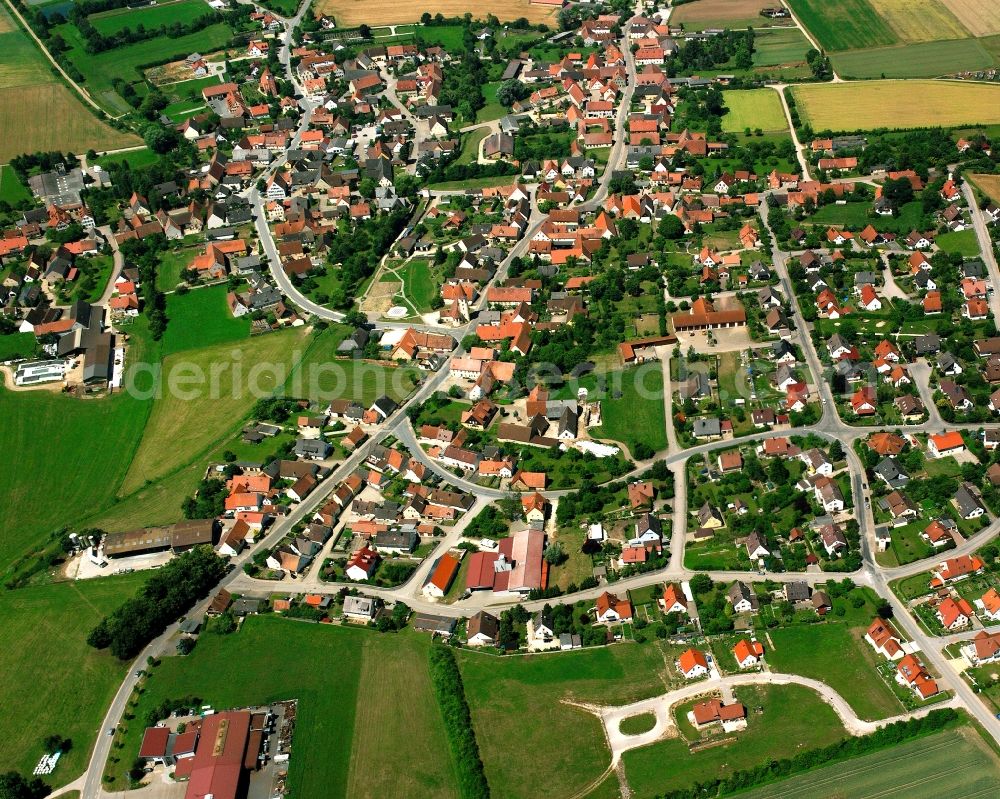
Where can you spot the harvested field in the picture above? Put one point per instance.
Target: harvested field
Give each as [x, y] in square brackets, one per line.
[875, 104]
[988, 185]
[26, 123]
[919, 20]
[379, 296]
[980, 17]
[846, 25]
[723, 13]
[350, 13]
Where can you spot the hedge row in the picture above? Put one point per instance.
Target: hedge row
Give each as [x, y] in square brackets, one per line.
[447, 681]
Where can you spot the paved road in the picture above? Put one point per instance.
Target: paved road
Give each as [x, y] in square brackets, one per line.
[660, 707]
[985, 247]
[830, 426]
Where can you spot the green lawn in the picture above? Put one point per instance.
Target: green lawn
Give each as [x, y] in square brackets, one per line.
[111, 22]
[631, 404]
[201, 318]
[50, 624]
[516, 707]
[846, 25]
[917, 60]
[806, 651]
[794, 719]
[422, 285]
[134, 158]
[172, 264]
[358, 692]
[952, 763]
[12, 191]
[492, 110]
[470, 146]
[753, 108]
[963, 242]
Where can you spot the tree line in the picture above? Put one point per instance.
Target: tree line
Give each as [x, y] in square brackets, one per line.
[450, 693]
[169, 593]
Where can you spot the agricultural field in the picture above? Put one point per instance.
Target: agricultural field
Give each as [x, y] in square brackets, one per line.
[336, 716]
[873, 104]
[31, 98]
[187, 421]
[803, 650]
[926, 60]
[952, 763]
[52, 622]
[919, 20]
[522, 699]
[731, 14]
[753, 108]
[988, 185]
[350, 13]
[111, 22]
[979, 18]
[790, 713]
[846, 25]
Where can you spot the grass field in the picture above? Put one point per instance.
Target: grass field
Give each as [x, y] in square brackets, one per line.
[36, 111]
[753, 108]
[349, 13]
[11, 189]
[924, 60]
[492, 110]
[845, 25]
[50, 625]
[962, 241]
[791, 713]
[919, 20]
[376, 698]
[126, 62]
[183, 11]
[988, 185]
[80, 449]
[776, 46]
[979, 18]
[397, 708]
[319, 376]
[517, 706]
[17, 345]
[225, 671]
[421, 286]
[188, 421]
[201, 318]
[470, 146]
[953, 763]
[721, 14]
[873, 104]
[638, 413]
[134, 158]
[804, 650]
